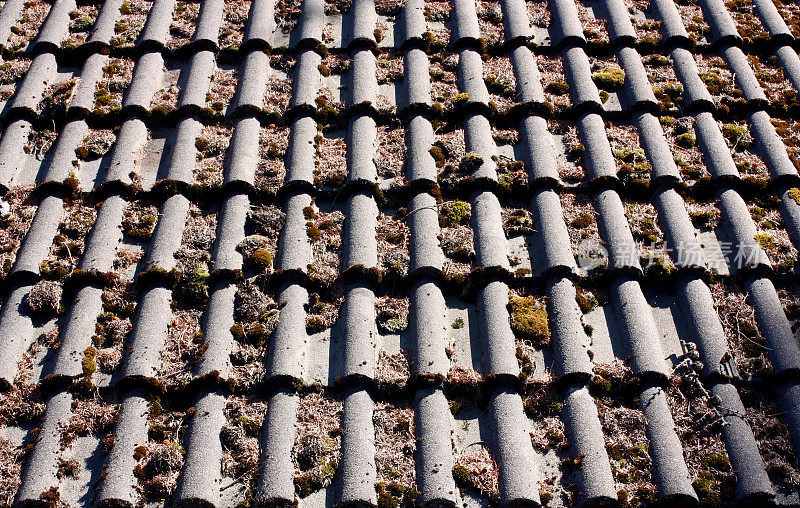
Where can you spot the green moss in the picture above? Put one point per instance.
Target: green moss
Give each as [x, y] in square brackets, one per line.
[141, 229]
[454, 213]
[703, 219]
[557, 88]
[461, 476]
[460, 99]
[102, 97]
[582, 221]
[794, 193]
[600, 386]
[529, 319]
[250, 426]
[306, 484]
[471, 162]
[610, 78]
[261, 259]
[323, 69]
[766, 242]
[458, 323]
[438, 156]
[576, 152]
[89, 364]
[237, 331]
[315, 324]
[716, 461]
[685, 140]
[714, 81]
[501, 87]
[386, 500]
[586, 301]
[378, 33]
[201, 144]
[604, 95]
[733, 132]
[314, 234]
[125, 8]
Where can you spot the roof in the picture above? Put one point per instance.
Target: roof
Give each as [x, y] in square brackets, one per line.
[380, 253]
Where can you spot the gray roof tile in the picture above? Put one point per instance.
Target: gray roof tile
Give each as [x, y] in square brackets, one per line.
[672, 28]
[361, 21]
[526, 73]
[434, 454]
[261, 23]
[579, 77]
[12, 143]
[294, 249]
[565, 25]
[360, 247]
[356, 349]
[156, 28]
[312, 21]
[255, 73]
[153, 315]
[720, 20]
[275, 479]
[145, 81]
[585, 438]
[8, 17]
[31, 90]
[201, 478]
[103, 29]
[285, 357]
[417, 81]
[91, 74]
[104, 236]
[423, 219]
[41, 469]
[413, 21]
[784, 351]
[670, 471]
[519, 471]
[118, 487]
[198, 81]
[357, 467]
[570, 343]
[242, 159]
[217, 324]
[743, 74]
[752, 482]
[790, 62]
[127, 151]
[37, 242]
[495, 331]
[419, 140]
[16, 331]
[694, 90]
[167, 237]
[55, 27]
[230, 232]
[358, 331]
[464, 21]
[635, 320]
[426, 315]
[516, 24]
[77, 333]
[209, 21]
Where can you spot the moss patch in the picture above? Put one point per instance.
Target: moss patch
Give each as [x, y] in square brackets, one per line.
[529, 319]
[610, 78]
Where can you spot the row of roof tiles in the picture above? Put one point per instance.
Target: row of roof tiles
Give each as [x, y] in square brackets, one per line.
[200, 481]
